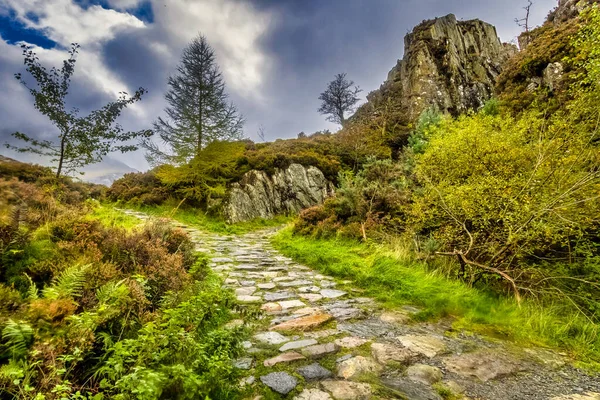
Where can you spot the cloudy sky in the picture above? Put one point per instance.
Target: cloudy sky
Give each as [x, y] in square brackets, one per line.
[276, 55]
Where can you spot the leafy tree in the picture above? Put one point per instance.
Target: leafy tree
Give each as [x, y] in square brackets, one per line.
[198, 113]
[339, 98]
[81, 140]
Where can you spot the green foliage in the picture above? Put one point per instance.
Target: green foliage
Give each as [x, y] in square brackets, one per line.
[105, 290]
[183, 355]
[69, 284]
[373, 197]
[206, 176]
[81, 140]
[17, 337]
[138, 188]
[392, 274]
[198, 113]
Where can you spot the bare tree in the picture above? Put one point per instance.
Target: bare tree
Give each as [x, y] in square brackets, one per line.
[261, 133]
[524, 22]
[339, 98]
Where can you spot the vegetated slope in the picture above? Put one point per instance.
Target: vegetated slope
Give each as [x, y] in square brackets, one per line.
[90, 309]
[509, 194]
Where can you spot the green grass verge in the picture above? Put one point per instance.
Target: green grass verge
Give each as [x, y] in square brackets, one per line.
[109, 216]
[397, 279]
[200, 220]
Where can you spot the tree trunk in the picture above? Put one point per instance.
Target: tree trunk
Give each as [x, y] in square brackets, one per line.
[62, 155]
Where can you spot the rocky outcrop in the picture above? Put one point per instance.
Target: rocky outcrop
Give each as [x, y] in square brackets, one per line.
[447, 63]
[568, 9]
[290, 190]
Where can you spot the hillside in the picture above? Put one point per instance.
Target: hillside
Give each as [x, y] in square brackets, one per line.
[444, 244]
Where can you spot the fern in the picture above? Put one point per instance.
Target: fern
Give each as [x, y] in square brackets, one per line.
[17, 336]
[68, 285]
[112, 292]
[32, 290]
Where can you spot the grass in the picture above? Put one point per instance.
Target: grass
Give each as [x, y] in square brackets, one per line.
[199, 219]
[395, 278]
[111, 217]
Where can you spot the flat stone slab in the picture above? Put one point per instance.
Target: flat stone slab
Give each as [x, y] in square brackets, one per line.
[322, 334]
[245, 291]
[266, 286]
[308, 311]
[345, 390]
[291, 304]
[294, 283]
[277, 296]
[247, 283]
[243, 363]
[319, 350]
[313, 394]
[579, 396]
[412, 390]
[384, 353]
[483, 365]
[298, 344]
[429, 346]
[313, 298]
[350, 342]
[358, 366]
[309, 289]
[280, 382]
[283, 358]
[314, 371]
[246, 267]
[344, 314]
[303, 323]
[271, 338]
[271, 307]
[222, 260]
[424, 373]
[332, 293]
[249, 299]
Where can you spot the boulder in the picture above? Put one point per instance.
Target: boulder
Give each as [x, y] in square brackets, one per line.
[290, 190]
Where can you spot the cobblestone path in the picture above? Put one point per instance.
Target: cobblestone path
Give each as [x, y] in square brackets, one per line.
[318, 338]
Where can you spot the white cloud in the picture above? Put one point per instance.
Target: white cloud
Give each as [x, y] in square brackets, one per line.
[232, 27]
[65, 22]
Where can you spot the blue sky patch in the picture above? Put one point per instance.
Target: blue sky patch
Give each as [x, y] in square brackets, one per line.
[14, 31]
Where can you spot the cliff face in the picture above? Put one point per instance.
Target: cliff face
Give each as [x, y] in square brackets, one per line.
[447, 63]
[259, 195]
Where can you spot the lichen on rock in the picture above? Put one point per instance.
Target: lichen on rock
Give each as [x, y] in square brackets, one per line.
[290, 190]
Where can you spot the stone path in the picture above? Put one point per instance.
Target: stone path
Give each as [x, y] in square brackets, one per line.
[316, 338]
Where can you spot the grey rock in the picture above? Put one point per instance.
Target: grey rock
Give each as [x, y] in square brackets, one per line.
[314, 371]
[298, 344]
[276, 296]
[319, 350]
[462, 79]
[271, 338]
[424, 373]
[258, 195]
[280, 382]
[332, 293]
[313, 394]
[410, 389]
[243, 363]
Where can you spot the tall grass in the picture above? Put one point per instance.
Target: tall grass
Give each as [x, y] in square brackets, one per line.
[392, 276]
